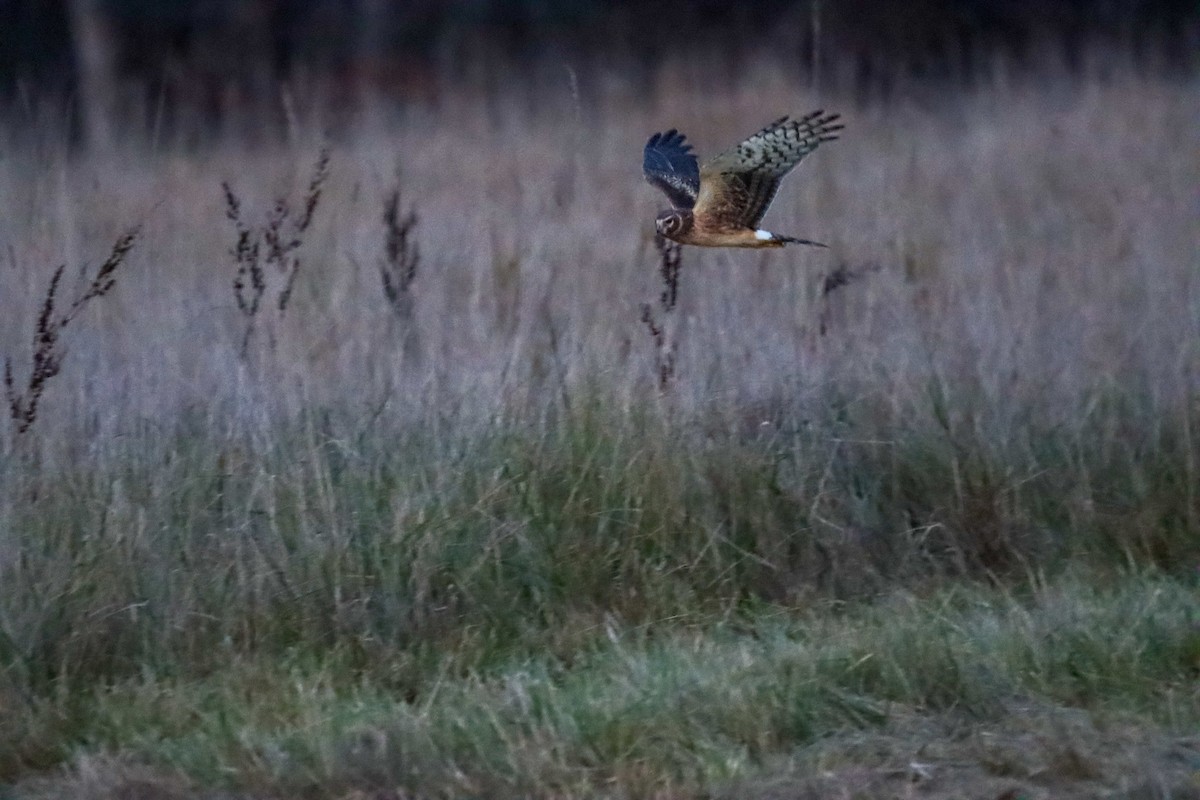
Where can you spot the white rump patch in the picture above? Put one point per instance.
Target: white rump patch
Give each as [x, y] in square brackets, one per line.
[764, 235]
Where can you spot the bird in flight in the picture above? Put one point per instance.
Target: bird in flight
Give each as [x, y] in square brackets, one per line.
[721, 203]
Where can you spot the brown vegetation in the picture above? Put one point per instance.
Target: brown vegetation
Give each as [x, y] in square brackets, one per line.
[47, 357]
[273, 243]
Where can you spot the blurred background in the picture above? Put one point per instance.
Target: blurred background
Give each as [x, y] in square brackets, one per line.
[1011, 172]
[182, 67]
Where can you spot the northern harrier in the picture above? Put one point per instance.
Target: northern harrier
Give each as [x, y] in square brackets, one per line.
[720, 204]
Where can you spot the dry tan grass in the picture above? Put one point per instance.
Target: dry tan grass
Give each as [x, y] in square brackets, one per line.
[1028, 242]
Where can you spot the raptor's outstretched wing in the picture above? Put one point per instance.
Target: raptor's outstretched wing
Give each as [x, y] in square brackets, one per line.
[668, 163]
[738, 184]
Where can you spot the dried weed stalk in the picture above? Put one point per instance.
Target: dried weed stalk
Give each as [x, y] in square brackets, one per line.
[274, 243]
[48, 352]
[401, 255]
[398, 269]
[665, 345]
[842, 275]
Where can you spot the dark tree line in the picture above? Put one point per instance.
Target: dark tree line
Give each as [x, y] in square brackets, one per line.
[37, 43]
[206, 54]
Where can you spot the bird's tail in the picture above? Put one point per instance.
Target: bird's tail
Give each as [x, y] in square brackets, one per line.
[793, 240]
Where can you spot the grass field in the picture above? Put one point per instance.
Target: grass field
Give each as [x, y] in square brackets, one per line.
[917, 516]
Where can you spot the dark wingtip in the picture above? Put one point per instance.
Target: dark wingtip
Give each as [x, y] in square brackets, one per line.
[819, 117]
[669, 138]
[828, 130]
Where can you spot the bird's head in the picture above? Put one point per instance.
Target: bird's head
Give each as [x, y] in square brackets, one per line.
[673, 222]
